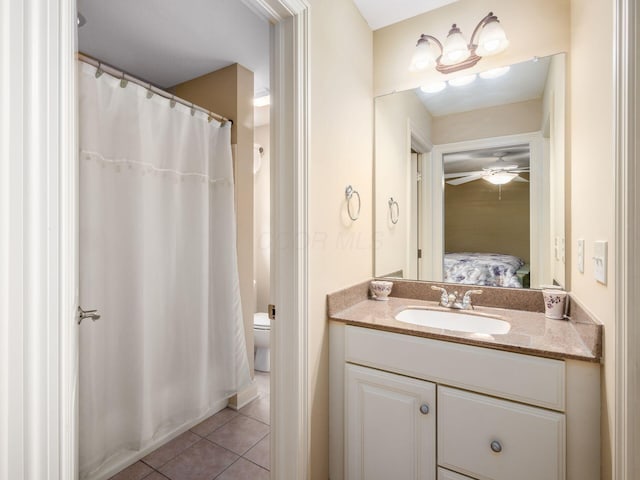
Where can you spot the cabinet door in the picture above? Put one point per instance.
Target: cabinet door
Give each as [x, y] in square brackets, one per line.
[390, 426]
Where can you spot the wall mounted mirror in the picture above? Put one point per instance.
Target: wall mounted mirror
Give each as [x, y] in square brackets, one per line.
[469, 178]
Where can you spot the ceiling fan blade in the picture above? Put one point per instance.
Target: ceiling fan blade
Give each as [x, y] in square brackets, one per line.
[460, 181]
[462, 174]
[519, 170]
[517, 156]
[520, 179]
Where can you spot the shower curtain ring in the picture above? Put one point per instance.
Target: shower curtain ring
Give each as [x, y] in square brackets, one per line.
[123, 81]
[193, 110]
[149, 91]
[99, 70]
[172, 102]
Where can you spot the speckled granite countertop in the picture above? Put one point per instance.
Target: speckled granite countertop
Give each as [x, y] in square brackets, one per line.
[531, 332]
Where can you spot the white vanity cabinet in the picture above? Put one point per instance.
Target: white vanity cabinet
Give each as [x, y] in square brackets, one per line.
[391, 426]
[490, 415]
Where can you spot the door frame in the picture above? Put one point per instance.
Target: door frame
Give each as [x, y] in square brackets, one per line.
[39, 238]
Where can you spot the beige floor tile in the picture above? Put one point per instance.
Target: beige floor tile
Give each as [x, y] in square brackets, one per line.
[263, 380]
[201, 461]
[260, 453]
[215, 421]
[244, 470]
[156, 476]
[240, 434]
[162, 455]
[137, 471]
[259, 409]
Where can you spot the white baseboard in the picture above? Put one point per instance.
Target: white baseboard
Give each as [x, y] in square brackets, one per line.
[245, 396]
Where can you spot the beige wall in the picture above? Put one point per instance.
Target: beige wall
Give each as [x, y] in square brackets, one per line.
[392, 174]
[229, 92]
[262, 221]
[509, 119]
[534, 28]
[341, 140]
[592, 179]
[476, 220]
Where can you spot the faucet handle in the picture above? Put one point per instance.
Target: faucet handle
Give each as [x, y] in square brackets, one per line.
[466, 300]
[444, 296]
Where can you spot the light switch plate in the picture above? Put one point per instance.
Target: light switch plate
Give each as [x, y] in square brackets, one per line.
[600, 261]
[581, 255]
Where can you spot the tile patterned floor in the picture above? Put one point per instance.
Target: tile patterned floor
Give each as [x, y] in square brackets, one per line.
[230, 445]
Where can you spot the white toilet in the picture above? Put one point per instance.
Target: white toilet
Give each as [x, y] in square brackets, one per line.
[261, 341]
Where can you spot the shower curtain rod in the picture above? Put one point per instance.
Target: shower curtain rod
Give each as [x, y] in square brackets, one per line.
[114, 72]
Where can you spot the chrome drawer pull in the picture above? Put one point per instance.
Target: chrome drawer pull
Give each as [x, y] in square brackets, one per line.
[496, 447]
[424, 409]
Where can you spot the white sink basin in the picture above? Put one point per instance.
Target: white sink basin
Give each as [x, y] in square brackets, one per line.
[461, 322]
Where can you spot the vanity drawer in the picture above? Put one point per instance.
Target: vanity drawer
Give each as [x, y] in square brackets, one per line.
[530, 441]
[524, 378]
[444, 474]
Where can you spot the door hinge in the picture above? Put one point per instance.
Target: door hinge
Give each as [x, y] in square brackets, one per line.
[419, 253]
[271, 310]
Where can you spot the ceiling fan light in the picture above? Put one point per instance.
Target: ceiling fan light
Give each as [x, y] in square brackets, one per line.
[425, 56]
[462, 81]
[455, 48]
[433, 87]
[500, 178]
[493, 39]
[495, 72]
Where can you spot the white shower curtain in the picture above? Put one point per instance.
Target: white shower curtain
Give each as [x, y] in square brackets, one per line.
[158, 260]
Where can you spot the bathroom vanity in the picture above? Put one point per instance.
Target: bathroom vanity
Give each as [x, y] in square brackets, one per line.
[415, 402]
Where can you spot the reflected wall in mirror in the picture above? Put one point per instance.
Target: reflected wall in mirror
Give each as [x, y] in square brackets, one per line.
[469, 179]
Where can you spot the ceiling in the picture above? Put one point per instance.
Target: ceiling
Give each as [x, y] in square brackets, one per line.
[475, 160]
[381, 13]
[167, 42]
[524, 81]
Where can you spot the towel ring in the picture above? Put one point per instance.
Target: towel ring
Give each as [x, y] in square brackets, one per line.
[349, 193]
[396, 217]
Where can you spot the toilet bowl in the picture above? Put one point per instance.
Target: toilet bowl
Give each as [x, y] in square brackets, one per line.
[261, 341]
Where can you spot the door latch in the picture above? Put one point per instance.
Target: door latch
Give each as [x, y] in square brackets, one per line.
[82, 314]
[271, 310]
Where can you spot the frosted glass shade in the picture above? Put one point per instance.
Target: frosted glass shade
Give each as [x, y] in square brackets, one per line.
[455, 48]
[500, 178]
[492, 39]
[424, 56]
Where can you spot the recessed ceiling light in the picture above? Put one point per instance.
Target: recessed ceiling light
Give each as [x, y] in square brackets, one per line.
[495, 72]
[462, 81]
[433, 87]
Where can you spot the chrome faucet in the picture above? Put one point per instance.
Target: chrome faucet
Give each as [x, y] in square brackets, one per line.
[452, 300]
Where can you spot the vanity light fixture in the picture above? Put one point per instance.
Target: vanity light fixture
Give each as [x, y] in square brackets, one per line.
[456, 54]
[500, 178]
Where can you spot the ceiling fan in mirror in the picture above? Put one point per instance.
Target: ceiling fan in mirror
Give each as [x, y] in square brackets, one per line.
[501, 171]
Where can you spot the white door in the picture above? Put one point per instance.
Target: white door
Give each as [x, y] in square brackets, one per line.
[390, 426]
